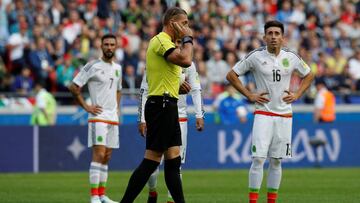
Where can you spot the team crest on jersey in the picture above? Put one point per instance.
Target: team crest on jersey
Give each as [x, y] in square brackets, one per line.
[285, 63]
[117, 73]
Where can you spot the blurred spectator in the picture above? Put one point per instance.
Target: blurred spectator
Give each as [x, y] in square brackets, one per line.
[130, 80]
[6, 84]
[17, 43]
[317, 29]
[141, 64]
[115, 14]
[90, 11]
[230, 106]
[4, 32]
[324, 103]
[354, 69]
[134, 38]
[44, 111]
[204, 79]
[40, 60]
[19, 14]
[298, 15]
[217, 69]
[72, 26]
[56, 12]
[65, 73]
[337, 62]
[284, 14]
[23, 83]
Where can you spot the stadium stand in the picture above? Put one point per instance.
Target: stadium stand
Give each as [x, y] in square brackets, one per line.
[51, 40]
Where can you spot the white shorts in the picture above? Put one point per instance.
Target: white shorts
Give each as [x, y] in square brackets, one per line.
[271, 136]
[184, 129]
[100, 133]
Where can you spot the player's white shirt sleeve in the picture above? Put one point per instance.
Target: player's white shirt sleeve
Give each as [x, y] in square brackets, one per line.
[193, 78]
[319, 100]
[143, 98]
[84, 75]
[243, 66]
[302, 68]
[119, 85]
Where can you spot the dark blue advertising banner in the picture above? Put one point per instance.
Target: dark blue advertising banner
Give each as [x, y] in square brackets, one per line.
[16, 149]
[64, 148]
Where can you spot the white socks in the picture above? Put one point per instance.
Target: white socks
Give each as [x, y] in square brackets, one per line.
[152, 182]
[274, 174]
[94, 177]
[256, 173]
[103, 174]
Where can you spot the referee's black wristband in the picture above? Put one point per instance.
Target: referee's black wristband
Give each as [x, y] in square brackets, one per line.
[187, 39]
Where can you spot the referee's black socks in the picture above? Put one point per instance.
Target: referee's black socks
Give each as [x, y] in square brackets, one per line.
[173, 180]
[138, 179]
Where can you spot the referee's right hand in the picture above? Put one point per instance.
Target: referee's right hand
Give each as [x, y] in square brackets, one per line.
[181, 30]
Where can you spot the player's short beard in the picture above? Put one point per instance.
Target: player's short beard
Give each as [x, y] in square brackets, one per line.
[108, 55]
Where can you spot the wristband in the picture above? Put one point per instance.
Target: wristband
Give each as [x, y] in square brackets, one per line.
[187, 39]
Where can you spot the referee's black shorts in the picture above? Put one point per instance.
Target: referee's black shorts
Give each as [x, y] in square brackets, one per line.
[162, 122]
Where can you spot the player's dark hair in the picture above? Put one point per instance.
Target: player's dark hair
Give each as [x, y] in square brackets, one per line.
[106, 36]
[171, 13]
[274, 23]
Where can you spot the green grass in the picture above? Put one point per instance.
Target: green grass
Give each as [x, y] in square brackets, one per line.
[222, 186]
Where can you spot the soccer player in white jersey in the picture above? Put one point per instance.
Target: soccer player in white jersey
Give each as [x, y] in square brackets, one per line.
[272, 67]
[103, 77]
[189, 76]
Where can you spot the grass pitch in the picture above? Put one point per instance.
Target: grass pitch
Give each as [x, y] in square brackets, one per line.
[201, 186]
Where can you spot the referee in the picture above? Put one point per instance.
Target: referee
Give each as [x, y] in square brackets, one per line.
[163, 65]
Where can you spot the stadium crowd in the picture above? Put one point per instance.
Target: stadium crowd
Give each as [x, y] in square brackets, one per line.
[50, 40]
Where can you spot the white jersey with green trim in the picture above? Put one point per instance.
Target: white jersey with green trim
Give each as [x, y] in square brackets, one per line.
[103, 80]
[272, 75]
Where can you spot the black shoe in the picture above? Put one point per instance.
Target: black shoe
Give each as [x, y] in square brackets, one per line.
[152, 198]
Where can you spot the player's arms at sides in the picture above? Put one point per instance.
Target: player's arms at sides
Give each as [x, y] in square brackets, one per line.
[233, 78]
[141, 107]
[182, 55]
[76, 92]
[118, 98]
[199, 109]
[305, 84]
[196, 97]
